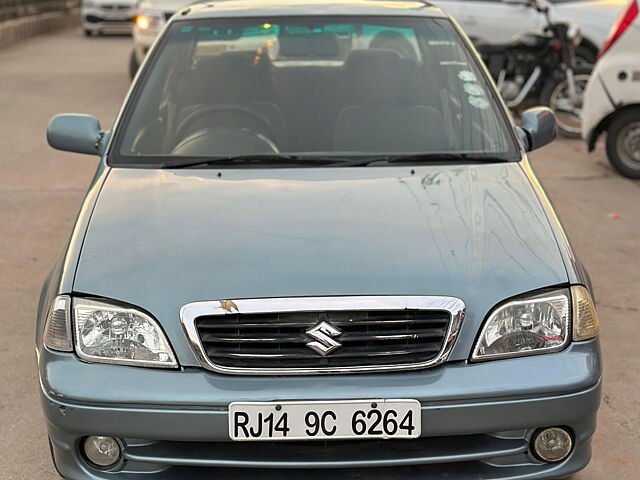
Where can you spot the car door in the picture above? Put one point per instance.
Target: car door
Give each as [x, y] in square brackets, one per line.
[493, 20]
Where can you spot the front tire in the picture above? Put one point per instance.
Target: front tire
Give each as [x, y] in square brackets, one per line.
[555, 95]
[623, 142]
[133, 64]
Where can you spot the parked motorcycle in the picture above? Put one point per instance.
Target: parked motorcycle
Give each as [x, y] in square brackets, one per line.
[539, 68]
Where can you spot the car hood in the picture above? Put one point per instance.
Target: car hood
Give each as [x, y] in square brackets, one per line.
[165, 5]
[160, 239]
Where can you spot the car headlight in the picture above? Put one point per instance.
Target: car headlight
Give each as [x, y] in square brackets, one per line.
[107, 333]
[537, 324]
[150, 19]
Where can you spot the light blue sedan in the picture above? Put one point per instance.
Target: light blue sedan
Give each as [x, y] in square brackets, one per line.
[314, 248]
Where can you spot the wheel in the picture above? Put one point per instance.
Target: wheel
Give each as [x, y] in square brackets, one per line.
[88, 32]
[555, 95]
[623, 142]
[133, 64]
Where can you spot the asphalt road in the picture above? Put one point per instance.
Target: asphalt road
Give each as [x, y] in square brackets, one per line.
[41, 191]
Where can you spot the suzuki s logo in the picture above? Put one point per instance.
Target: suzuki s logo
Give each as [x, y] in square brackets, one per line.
[323, 334]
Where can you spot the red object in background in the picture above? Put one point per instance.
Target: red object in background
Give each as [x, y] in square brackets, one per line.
[614, 215]
[620, 26]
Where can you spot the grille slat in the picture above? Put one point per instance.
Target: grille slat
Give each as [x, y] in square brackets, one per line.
[345, 338]
[294, 353]
[279, 340]
[212, 338]
[289, 324]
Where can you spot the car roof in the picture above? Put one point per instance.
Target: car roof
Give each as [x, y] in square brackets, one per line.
[274, 8]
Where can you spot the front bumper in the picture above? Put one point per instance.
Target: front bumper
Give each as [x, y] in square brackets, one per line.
[142, 42]
[477, 420]
[597, 107]
[96, 19]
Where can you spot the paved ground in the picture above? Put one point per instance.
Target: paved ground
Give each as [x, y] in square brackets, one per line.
[41, 190]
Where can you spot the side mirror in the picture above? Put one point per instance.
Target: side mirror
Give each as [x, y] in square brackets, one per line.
[75, 133]
[539, 127]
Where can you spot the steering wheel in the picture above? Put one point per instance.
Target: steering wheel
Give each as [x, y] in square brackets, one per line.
[224, 141]
[224, 111]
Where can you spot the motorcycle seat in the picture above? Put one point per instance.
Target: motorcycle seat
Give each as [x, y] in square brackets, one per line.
[493, 48]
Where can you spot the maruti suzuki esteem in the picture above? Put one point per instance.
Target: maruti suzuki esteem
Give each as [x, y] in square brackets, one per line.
[314, 248]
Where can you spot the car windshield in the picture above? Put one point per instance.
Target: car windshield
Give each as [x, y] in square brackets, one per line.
[344, 87]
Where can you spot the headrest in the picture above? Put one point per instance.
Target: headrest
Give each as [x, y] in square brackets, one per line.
[311, 45]
[374, 77]
[233, 77]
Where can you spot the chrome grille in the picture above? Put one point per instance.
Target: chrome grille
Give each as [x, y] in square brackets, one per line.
[275, 336]
[263, 340]
[110, 7]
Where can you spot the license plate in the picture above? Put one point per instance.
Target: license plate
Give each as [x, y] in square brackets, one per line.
[326, 420]
[117, 16]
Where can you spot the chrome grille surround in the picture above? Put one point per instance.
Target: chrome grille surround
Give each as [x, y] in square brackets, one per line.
[191, 312]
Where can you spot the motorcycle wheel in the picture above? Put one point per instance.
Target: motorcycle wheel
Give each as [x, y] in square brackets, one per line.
[555, 95]
[586, 56]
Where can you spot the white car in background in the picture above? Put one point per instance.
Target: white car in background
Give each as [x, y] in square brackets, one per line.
[612, 98]
[496, 21]
[151, 17]
[101, 16]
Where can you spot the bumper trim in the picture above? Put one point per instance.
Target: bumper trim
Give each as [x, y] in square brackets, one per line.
[210, 424]
[349, 454]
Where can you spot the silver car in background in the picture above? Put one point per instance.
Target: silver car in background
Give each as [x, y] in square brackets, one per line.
[107, 16]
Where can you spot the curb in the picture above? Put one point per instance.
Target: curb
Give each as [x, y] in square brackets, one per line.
[13, 31]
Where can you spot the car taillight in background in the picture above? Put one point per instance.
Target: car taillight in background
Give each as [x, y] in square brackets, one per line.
[620, 26]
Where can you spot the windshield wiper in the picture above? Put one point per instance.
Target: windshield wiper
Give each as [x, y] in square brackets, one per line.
[419, 158]
[328, 161]
[255, 159]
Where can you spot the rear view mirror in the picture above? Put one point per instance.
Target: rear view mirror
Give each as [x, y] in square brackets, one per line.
[539, 126]
[75, 133]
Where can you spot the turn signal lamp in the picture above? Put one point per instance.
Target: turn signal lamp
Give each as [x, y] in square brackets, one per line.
[585, 319]
[143, 22]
